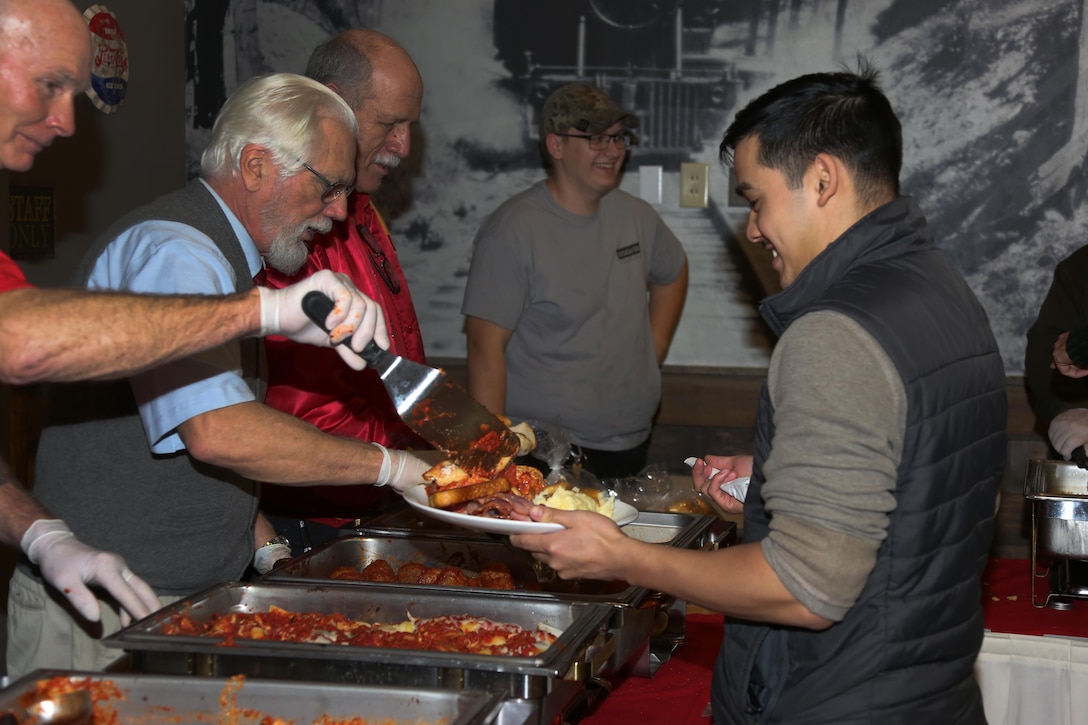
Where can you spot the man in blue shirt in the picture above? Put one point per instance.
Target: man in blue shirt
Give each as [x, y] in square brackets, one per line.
[45, 53]
[166, 463]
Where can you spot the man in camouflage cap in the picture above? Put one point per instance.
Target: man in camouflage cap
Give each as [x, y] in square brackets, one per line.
[560, 327]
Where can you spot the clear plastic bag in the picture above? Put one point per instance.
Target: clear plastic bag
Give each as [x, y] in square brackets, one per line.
[553, 447]
[653, 489]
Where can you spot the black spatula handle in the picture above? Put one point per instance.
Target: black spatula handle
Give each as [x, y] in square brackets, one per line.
[317, 307]
[1079, 457]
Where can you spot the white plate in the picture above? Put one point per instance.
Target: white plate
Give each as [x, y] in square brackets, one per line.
[416, 496]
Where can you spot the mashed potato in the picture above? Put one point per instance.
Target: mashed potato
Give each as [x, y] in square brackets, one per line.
[568, 498]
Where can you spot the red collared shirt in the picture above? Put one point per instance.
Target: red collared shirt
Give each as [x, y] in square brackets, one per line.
[315, 385]
[11, 277]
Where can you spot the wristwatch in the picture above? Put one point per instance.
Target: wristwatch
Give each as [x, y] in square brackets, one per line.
[279, 539]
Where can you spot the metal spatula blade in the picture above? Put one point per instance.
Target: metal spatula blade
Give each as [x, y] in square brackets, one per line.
[432, 405]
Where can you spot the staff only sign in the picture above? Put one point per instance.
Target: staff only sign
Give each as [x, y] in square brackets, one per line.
[31, 222]
[109, 62]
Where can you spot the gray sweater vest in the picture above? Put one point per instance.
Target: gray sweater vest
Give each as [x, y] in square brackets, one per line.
[905, 652]
[180, 524]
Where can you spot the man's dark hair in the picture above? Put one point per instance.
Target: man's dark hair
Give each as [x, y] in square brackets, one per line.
[844, 114]
[341, 62]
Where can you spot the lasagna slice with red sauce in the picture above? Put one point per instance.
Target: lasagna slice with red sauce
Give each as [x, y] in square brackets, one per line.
[462, 633]
[477, 474]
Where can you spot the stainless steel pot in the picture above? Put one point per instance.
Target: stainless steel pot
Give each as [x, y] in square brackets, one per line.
[1059, 494]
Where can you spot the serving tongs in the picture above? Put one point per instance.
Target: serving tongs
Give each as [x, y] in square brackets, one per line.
[432, 405]
[66, 708]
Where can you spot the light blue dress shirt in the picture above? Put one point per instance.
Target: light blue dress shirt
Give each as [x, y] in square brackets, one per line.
[171, 258]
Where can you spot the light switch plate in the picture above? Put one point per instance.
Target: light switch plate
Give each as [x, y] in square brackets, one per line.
[694, 183]
[649, 183]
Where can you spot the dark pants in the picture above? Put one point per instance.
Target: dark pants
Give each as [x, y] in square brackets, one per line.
[303, 535]
[616, 464]
[603, 464]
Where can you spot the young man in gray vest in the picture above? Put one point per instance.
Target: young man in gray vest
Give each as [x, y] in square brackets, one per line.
[160, 468]
[880, 441]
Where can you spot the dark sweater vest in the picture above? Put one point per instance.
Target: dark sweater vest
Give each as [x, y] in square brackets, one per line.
[180, 524]
[906, 650]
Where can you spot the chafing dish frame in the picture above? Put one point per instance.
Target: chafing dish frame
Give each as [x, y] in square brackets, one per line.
[1058, 492]
[547, 683]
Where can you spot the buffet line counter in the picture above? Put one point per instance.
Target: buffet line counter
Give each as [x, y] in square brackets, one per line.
[1033, 667]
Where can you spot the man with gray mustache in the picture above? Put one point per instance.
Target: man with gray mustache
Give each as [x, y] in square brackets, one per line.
[380, 82]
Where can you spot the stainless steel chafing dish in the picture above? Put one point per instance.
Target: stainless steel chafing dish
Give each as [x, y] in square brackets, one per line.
[546, 685]
[170, 698]
[1058, 492]
[647, 626]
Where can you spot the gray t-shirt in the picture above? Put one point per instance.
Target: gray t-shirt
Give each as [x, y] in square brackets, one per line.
[574, 291]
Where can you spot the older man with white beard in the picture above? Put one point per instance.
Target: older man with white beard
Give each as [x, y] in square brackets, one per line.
[161, 469]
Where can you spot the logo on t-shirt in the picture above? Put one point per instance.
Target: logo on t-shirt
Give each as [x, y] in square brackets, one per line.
[629, 251]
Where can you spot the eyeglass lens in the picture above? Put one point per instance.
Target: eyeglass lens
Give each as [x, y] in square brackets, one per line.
[333, 190]
[600, 141]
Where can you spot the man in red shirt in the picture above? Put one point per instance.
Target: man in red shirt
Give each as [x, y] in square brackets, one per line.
[381, 83]
[66, 335]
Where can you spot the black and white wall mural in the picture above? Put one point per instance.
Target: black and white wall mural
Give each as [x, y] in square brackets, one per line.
[991, 93]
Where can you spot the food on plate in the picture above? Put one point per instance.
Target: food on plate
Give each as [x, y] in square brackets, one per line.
[564, 496]
[450, 485]
[525, 436]
[453, 633]
[466, 476]
[491, 453]
[495, 575]
[464, 489]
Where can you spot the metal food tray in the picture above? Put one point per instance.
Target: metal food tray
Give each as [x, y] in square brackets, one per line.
[1058, 492]
[548, 681]
[640, 615]
[1048, 480]
[170, 698]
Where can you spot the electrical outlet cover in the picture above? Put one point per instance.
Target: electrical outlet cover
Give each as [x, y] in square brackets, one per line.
[694, 183]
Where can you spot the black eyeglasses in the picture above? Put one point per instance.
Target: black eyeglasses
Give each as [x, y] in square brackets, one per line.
[333, 190]
[600, 141]
[378, 258]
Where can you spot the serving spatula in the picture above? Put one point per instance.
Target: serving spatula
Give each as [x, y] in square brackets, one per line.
[436, 408]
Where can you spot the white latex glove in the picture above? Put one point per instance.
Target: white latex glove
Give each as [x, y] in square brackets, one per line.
[400, 469]
[354, 316]
[266, 557]
[69, 565]
[1069, 430]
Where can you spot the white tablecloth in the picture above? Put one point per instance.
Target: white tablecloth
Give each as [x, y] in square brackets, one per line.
[1028, 680]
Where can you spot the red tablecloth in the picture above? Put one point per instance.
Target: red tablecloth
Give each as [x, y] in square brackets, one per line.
[680, 691]
[1006, 600]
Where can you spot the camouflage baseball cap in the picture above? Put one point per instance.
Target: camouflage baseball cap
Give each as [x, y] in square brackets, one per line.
[584, 107]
